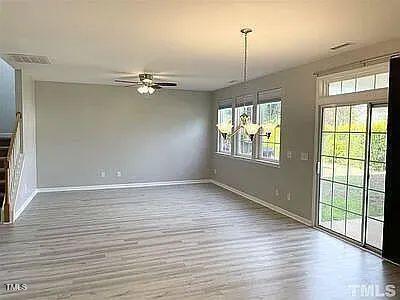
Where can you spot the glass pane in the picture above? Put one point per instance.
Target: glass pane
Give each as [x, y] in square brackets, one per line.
[343, 119]
[325, 214]
[339, 195]
[365, 83]
[335, 88]
[327, 168]
[355, 199]
[376, 202]
[224, 116]
[328, 123]
[277, 151]
[353, 226]
[374, 233]
[327, 144]
[340, 171]
[325, 192]
[378, 147]
[377, 172]
[268, 151]
[356, 172]
[269, 113]
[357, 145]
[382, 80]
[338, 220]
[379, 119]
[341, 144]
[276, 135]
[244, 143]
[359, 115]
[224, 144]
[348, 86]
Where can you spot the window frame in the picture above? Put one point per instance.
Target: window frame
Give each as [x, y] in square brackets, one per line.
[240, 101]
[277, 99]
[224, 104]
[324, 81]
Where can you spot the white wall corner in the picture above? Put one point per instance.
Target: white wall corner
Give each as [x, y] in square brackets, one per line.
[273, 207]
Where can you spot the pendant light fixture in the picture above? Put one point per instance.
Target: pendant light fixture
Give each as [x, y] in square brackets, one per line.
[251, 129]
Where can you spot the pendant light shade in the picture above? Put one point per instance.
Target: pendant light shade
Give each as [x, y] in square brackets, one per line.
[225, 128]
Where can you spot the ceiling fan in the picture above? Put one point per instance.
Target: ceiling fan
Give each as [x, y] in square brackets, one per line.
[146, 84]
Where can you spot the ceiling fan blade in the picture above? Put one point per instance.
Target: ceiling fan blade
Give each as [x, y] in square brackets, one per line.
[127, 81]
[156, 86]
[166, 83]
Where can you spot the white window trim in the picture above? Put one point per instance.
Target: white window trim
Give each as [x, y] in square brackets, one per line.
[238, 104]
[323, 81]
[273, 96]
[230, 103]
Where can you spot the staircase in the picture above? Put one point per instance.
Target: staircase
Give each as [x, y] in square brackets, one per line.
[4, 145]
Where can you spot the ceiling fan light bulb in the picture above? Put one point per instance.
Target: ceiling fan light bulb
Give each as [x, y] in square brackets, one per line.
[150, 90]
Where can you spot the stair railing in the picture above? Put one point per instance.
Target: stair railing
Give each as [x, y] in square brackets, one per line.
[12, 169]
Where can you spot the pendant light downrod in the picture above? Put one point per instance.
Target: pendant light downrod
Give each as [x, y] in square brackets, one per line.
[245, 31]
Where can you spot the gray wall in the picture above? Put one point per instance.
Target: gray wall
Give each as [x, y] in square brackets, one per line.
[7, 98]
[298, 107]
[28, 182]
[83, 129]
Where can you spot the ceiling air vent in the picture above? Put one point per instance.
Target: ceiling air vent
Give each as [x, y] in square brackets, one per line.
[29, 59]
[340, 46]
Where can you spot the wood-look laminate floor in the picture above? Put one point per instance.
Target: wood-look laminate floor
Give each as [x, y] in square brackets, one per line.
[176, 242]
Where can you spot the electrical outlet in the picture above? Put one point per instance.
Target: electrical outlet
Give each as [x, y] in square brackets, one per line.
[289, 196]
[215, 171]
[289, 154]
[277, 192]
[103, 174]
[119, 174]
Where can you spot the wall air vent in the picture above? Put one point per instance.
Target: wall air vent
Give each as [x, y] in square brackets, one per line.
[29, 59]
[340, 46]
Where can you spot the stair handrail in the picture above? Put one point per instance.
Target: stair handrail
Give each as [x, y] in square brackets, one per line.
[11, 170]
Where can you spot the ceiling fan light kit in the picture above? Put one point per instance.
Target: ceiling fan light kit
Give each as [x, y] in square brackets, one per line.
[146, 84]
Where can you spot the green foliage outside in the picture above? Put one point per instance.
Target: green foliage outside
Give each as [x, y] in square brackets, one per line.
[344, 140]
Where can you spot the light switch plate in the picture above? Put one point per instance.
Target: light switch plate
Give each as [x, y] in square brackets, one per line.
[304, 156]
[289, 154]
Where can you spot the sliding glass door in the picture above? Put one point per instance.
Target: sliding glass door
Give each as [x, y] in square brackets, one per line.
[352, 172]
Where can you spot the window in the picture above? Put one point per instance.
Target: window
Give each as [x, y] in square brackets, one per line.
[224, 116]
[244, 145]
[269, 117]
[359, 83]
[263, 108]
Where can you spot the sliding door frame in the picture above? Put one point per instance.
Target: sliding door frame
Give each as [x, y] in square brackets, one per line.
[317, 175]
[372, 98]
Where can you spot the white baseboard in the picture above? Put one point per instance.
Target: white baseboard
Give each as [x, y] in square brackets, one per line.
[120, 185]
[264, 203]
[5, 135]
[26, 203]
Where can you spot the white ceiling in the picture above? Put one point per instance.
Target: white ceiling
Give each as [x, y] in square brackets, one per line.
[196, 43]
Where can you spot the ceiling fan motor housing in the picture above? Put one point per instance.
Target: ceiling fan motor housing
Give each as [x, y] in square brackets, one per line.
[146, 78]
